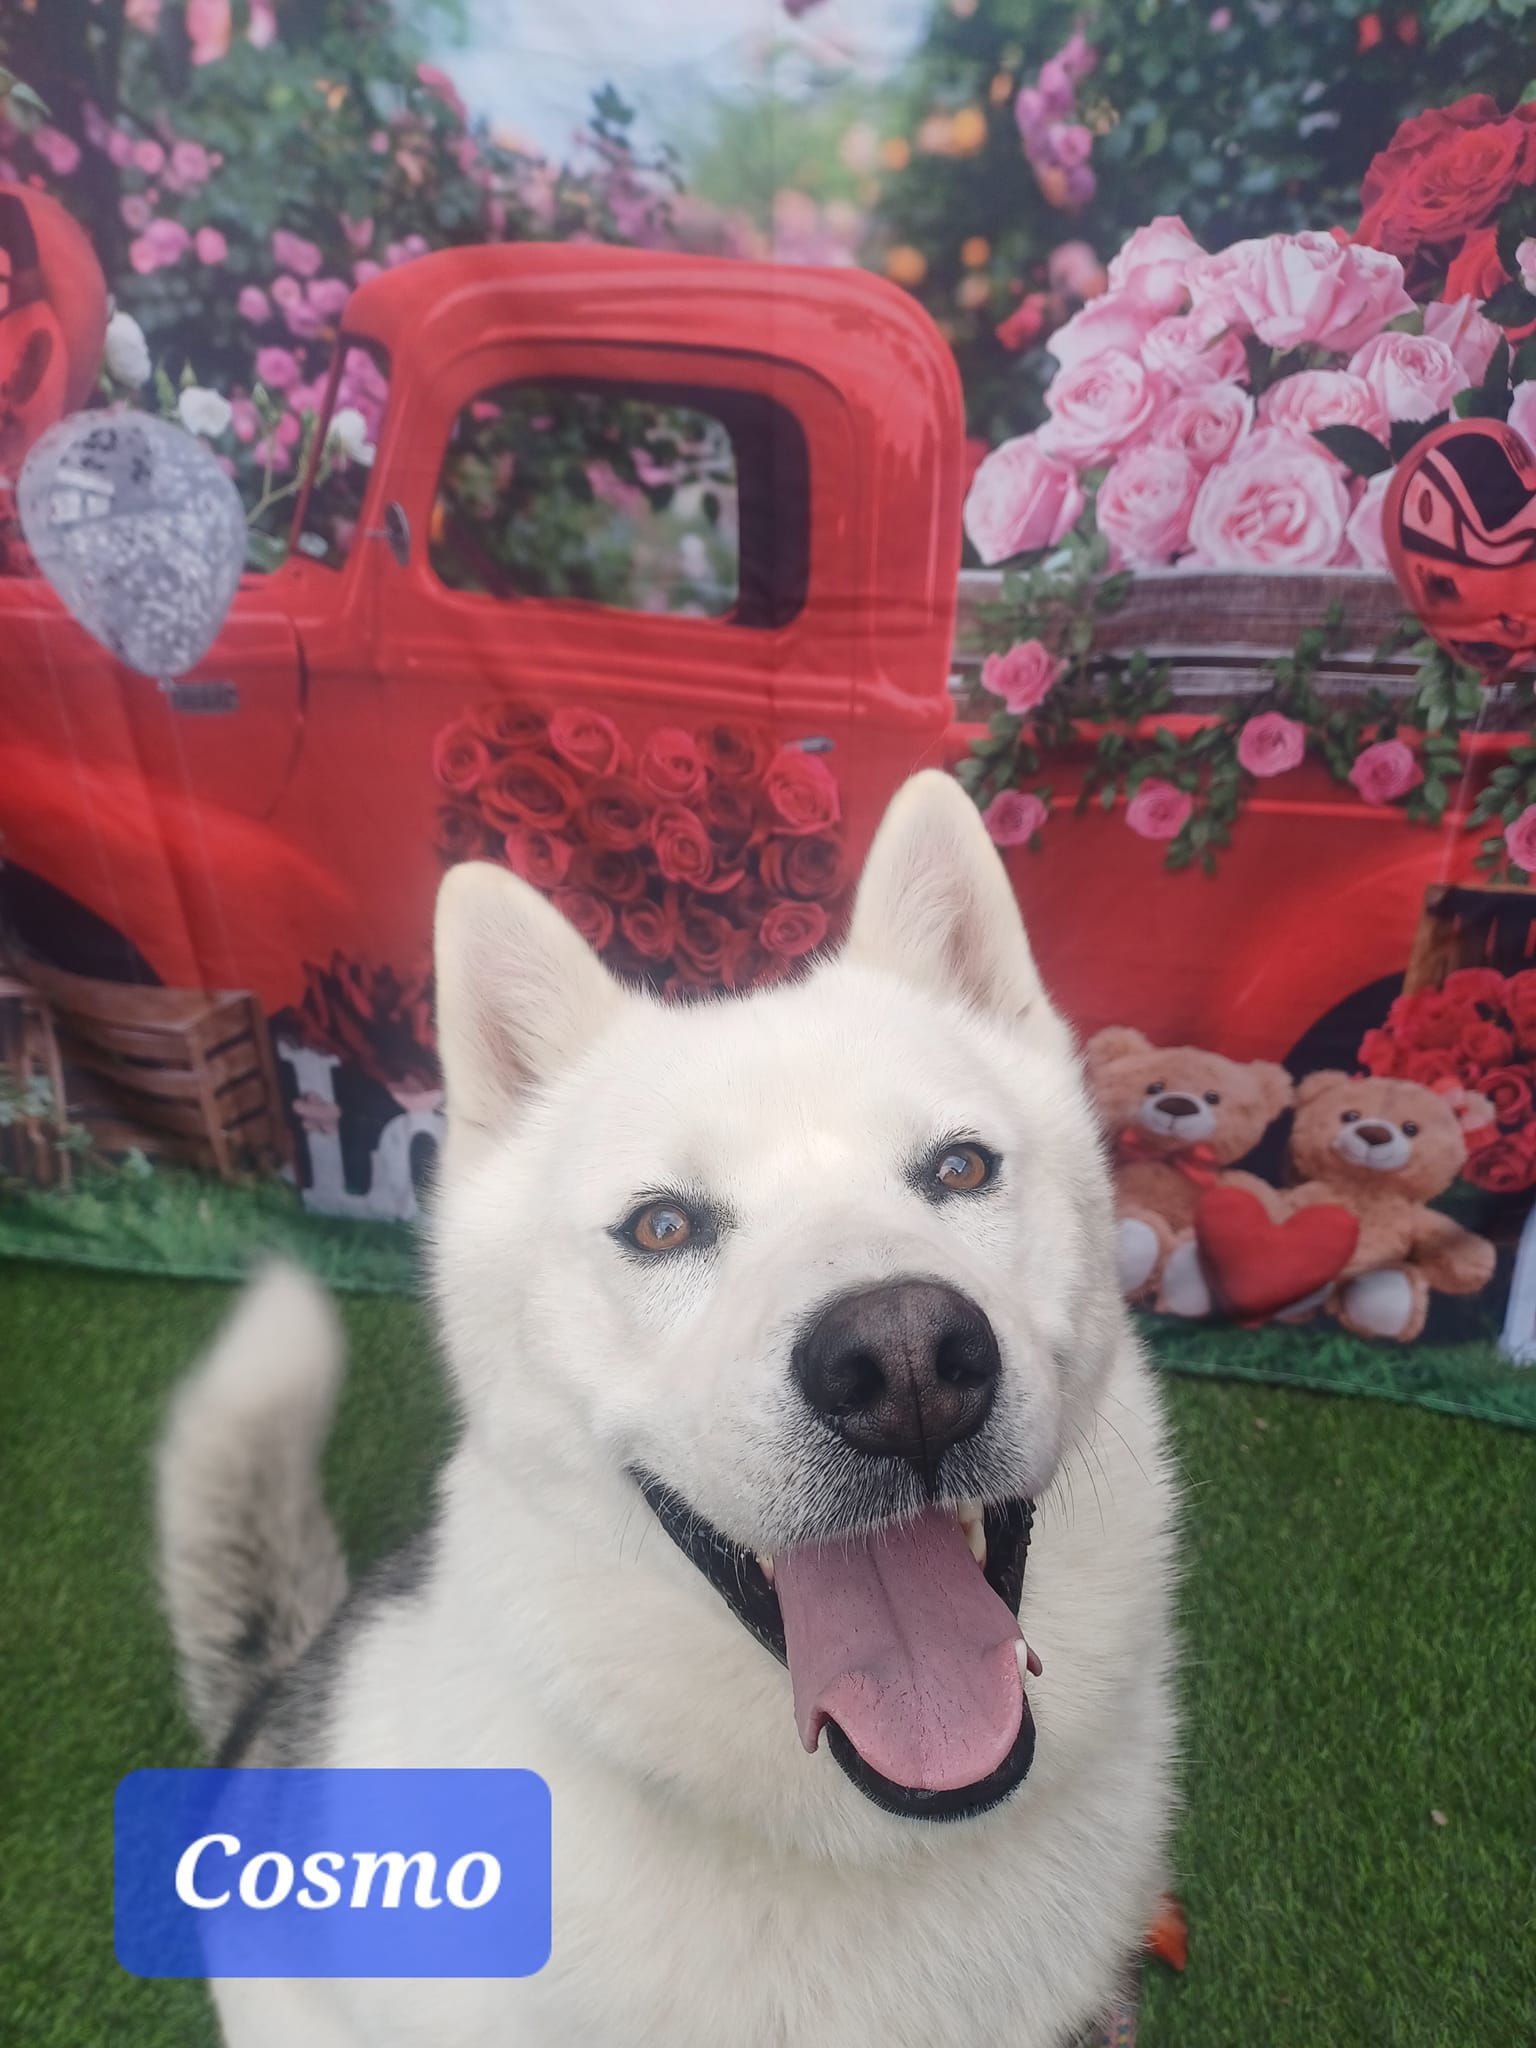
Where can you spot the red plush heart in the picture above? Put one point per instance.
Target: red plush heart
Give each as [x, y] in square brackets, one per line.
[1258, 1267]
[1459, 523]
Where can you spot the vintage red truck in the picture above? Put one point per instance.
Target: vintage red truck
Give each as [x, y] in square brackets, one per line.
[289, 804]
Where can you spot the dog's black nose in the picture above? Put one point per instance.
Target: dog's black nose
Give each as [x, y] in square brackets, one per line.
[901, 1371]
[1178, 1105]
[1375, 1134]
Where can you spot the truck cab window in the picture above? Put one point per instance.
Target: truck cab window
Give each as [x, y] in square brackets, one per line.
[626, 497]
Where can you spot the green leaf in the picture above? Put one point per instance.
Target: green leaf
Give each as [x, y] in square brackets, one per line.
[1407, 434]
[1523, 369]
[1483, 404]
[1510, 306]
[1496, 376]
[1361, 453]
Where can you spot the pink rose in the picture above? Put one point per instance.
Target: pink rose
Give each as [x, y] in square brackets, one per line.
[58, 152]
[329, 295]
[1020, 499]
[148, 156]
[1158, 257]
[1118, 320]
[295, 254]
[144, 15]
[1470, 338]
[1022, 677]
[277, 368]
[1364, 531]
[191, 164]
[244, 419]
[364, 268]
[1188, 350]
[1144, 505]
[1276, 504]
[208, 29]
[1385, 771]
[1158, 810]
[210, 245]
[1520, 840]
[263, 28]
[1311, 399]
[162, 243]
[1413, 377]
[1208, 424]
[1271, 743]
[136, 211]
[1014, 817]
[253, 304]
[287, 292]
[1074, 268]
[1295, 290]
[119, 149]
[1098, 407]
[1522, 414]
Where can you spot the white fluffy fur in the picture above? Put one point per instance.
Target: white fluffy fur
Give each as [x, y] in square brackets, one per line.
[715, 1887]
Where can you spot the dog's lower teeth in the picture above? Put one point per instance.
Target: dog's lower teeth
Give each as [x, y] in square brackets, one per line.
[765, 1566]
[970, 1516]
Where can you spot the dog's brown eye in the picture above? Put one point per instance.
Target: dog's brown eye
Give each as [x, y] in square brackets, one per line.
[660, 1227]
[1350, 1116]
[963, 1169]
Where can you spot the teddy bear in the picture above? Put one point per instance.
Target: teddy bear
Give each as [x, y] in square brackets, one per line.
[1177, 1116]
[1384, 1149]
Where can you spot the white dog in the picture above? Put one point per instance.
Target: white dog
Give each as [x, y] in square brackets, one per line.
[771, 1321]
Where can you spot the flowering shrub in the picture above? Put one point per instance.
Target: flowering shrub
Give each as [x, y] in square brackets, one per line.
[1477, 1031]
[710, 857]
[240, 176]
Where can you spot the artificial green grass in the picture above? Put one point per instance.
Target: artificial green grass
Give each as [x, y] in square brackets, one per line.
[1361, 1618]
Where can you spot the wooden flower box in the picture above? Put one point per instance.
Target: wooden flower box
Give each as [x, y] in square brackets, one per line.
[29, 1054]
[183, 1073]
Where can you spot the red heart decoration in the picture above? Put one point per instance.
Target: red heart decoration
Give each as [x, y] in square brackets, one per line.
[1258, 1267]
[1459, 522]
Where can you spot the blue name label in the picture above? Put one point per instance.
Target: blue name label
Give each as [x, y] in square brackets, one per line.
[332, 1873]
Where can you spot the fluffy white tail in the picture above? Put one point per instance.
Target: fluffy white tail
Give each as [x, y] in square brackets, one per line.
[250, 1567]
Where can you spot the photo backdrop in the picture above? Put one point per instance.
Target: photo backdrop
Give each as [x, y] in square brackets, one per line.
[637, 446]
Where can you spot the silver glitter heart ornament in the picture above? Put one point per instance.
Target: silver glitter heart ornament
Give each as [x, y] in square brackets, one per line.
[139, 531]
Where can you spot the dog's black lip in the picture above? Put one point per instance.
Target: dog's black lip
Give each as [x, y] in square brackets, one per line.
[739, 1579]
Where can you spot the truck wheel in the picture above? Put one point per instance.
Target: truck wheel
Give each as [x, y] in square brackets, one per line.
[54, 928]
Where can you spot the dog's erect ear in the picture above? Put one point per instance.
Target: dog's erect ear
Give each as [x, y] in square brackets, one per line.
[519, 992]
[936, 907]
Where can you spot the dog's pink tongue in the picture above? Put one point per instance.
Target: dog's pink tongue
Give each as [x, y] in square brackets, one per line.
[897, 1637]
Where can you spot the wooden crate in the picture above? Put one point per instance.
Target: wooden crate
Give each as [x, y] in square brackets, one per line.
[185, 1073]
[1471, 927]
[1220, 631]
[29, 1051]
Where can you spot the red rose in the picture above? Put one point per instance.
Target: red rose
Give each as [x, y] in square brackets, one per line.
[743, 962]
[1520, 1002]
[459, 757]
[734, 753]
[460, 833]
[730, 817]
[590, 915]
[810, 868]
[671, 765]
[703, 938]
[587, 740]
[509, 724]
[801, 791]
[1379, 1053]
[748, 904]
[683, 849]
[526, 789]
[616, 877]
[1485, 1045]
[1427, 1068]
[1509, 1090]
[1506, 1167]
[651, 928]
[616, 816]
[540, 857]
[1434, 162]
[1424, 1020]
[1476, 985]
[793, 929]
[1476, 273]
